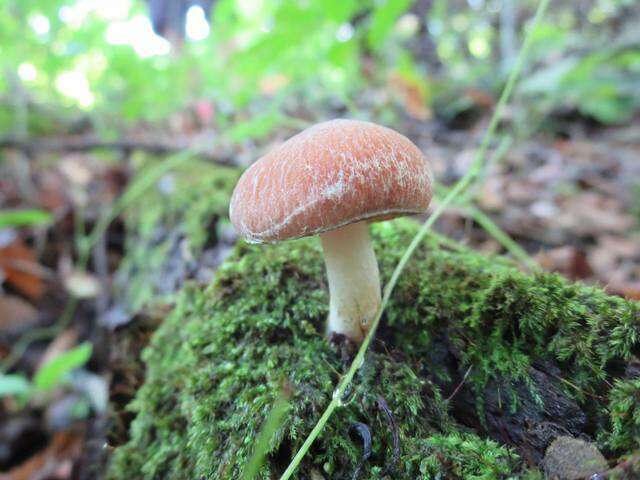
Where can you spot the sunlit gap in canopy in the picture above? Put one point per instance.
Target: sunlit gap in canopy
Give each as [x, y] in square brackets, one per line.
[138, 33]
[197, 25]
[122, 28]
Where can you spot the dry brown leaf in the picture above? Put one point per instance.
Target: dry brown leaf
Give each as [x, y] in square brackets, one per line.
[16, 315]
[616, 261]
[482, 99]
[412, 94]
[631, 291]
[523, 190]
[569, 260]
[76, 170]
[54, 462]
[21, 269]
[51, 191]
[491, 195]
[590, 213]
[272, 84]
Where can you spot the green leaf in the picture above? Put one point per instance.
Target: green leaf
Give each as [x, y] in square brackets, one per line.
[548, 80]
[13, 385]
[383, 19]
[18, 218]
[256, 128]
[53, 372]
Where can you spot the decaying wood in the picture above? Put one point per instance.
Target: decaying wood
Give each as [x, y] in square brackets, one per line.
[533, 425]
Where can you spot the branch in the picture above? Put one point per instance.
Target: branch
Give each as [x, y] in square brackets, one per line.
[83, 144]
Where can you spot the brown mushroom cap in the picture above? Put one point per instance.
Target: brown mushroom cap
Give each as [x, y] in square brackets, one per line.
[330, 175]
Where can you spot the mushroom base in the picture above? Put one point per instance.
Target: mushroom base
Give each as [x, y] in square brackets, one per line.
[354, 281]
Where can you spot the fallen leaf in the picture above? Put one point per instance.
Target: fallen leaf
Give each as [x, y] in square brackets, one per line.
[272, 84]
[482, 99]
[21, 269]
[491, 195]
[413, 95]
[51, 191]
[76, 170]
[54, 462]
[570, 261]
[616, 261]
[523, 190]
[590, 213]
[16, 315]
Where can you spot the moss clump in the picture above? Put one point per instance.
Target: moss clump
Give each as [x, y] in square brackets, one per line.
[168, 228]
[219, 361]
[624, 410]
[459, 455]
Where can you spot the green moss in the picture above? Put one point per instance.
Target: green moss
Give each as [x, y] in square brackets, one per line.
[218, 362]
[624, 410]
[169, 226]
[459, 455]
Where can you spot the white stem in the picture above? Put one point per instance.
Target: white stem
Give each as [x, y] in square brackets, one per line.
[354, 281]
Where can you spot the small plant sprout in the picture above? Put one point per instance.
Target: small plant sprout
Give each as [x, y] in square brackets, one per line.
[331, 179]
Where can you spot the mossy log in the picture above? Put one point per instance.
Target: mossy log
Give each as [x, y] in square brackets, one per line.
[476, 368]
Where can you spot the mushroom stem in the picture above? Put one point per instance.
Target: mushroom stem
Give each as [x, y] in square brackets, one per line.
[354, 281]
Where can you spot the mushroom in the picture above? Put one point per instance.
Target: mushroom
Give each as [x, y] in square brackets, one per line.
[331, 179]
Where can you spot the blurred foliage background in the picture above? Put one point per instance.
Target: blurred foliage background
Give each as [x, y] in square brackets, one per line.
[244, 65]
[124, 125]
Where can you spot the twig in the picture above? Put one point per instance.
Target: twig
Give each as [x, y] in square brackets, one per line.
[627, 469]
[457, 389]
[577, 388]
[83, 144]
[503, 238]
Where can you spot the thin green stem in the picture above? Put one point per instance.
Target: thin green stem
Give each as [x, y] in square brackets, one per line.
[502, 237]
[37, 334]
[86, 243]
[458, 188]
[496, 157]
[133, 193]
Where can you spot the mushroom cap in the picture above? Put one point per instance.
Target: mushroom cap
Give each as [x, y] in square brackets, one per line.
[327, 176]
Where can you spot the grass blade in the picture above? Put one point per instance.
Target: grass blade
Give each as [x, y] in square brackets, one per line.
[22, 218]
[458, 188]
[274, 420]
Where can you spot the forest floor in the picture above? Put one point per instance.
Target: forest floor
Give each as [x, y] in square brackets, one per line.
[571, 202]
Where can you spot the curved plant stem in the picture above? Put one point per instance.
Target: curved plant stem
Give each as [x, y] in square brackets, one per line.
[133, 193]
[86, 243]
[457, 189]
[519, 253]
